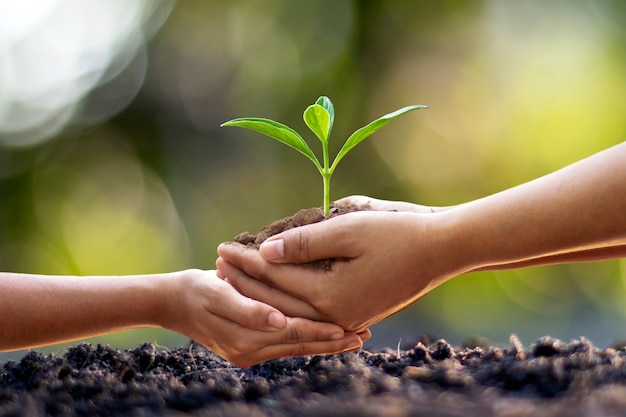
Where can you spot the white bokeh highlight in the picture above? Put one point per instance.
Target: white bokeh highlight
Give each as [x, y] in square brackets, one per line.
[53, 53]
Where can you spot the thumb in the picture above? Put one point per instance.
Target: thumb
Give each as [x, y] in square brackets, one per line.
[325, 240]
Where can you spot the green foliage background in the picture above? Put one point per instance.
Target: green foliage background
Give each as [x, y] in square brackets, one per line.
[515, 89]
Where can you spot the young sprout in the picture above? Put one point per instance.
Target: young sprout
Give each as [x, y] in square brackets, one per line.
[319, 117]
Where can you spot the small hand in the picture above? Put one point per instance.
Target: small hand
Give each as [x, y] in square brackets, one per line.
[242, 330]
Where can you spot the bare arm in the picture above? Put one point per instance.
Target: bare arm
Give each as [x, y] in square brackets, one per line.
[592, 176]
[572, 214]
[38, 310]
[587, 255]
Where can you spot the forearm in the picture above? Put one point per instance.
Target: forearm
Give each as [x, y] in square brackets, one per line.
[588, 255]
[577, 210]
[38, 310]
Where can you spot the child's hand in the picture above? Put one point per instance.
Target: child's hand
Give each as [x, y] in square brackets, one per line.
[242, 330]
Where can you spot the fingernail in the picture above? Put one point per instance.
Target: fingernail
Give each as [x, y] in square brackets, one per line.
[353, 346]
[272, 250]
[277, 320]
[336, 336]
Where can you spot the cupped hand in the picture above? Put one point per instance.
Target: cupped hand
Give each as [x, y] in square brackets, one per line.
[382, 263]
[242, 330]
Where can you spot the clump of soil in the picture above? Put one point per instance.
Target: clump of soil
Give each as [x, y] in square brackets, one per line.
[301, 218]
[548, 378]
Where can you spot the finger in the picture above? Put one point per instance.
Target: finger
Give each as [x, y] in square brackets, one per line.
[299, 330]
[263, 292]
[385, 205]
[245, 311]
[219, 274]
[300, 282]
[371, 203]
[305, 337]
[324, 240]
[365, 335]
[244, 347]
[349, 342]
[357, 200]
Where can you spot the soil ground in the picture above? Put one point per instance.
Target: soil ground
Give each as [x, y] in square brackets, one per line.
[548, 378]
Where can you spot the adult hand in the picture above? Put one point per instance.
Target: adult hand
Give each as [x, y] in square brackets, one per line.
[383, 262]
[242, 330]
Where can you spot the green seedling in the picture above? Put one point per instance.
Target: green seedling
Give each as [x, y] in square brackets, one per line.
[319, 117]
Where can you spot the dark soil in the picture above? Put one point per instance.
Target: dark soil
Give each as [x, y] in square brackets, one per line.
[548, 378]
[301, 218]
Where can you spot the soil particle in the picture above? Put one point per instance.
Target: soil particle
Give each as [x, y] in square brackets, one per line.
[550, 378]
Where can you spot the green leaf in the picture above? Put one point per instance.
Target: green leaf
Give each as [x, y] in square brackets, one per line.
[278, 131]
[361, 134]
[328, 105]
[317, 119]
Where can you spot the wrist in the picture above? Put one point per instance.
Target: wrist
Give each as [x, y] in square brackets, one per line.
[166, 298]
[480, 238]
[451, 243]
[430, 253]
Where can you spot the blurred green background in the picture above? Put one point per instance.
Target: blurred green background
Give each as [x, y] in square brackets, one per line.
[112, 160]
